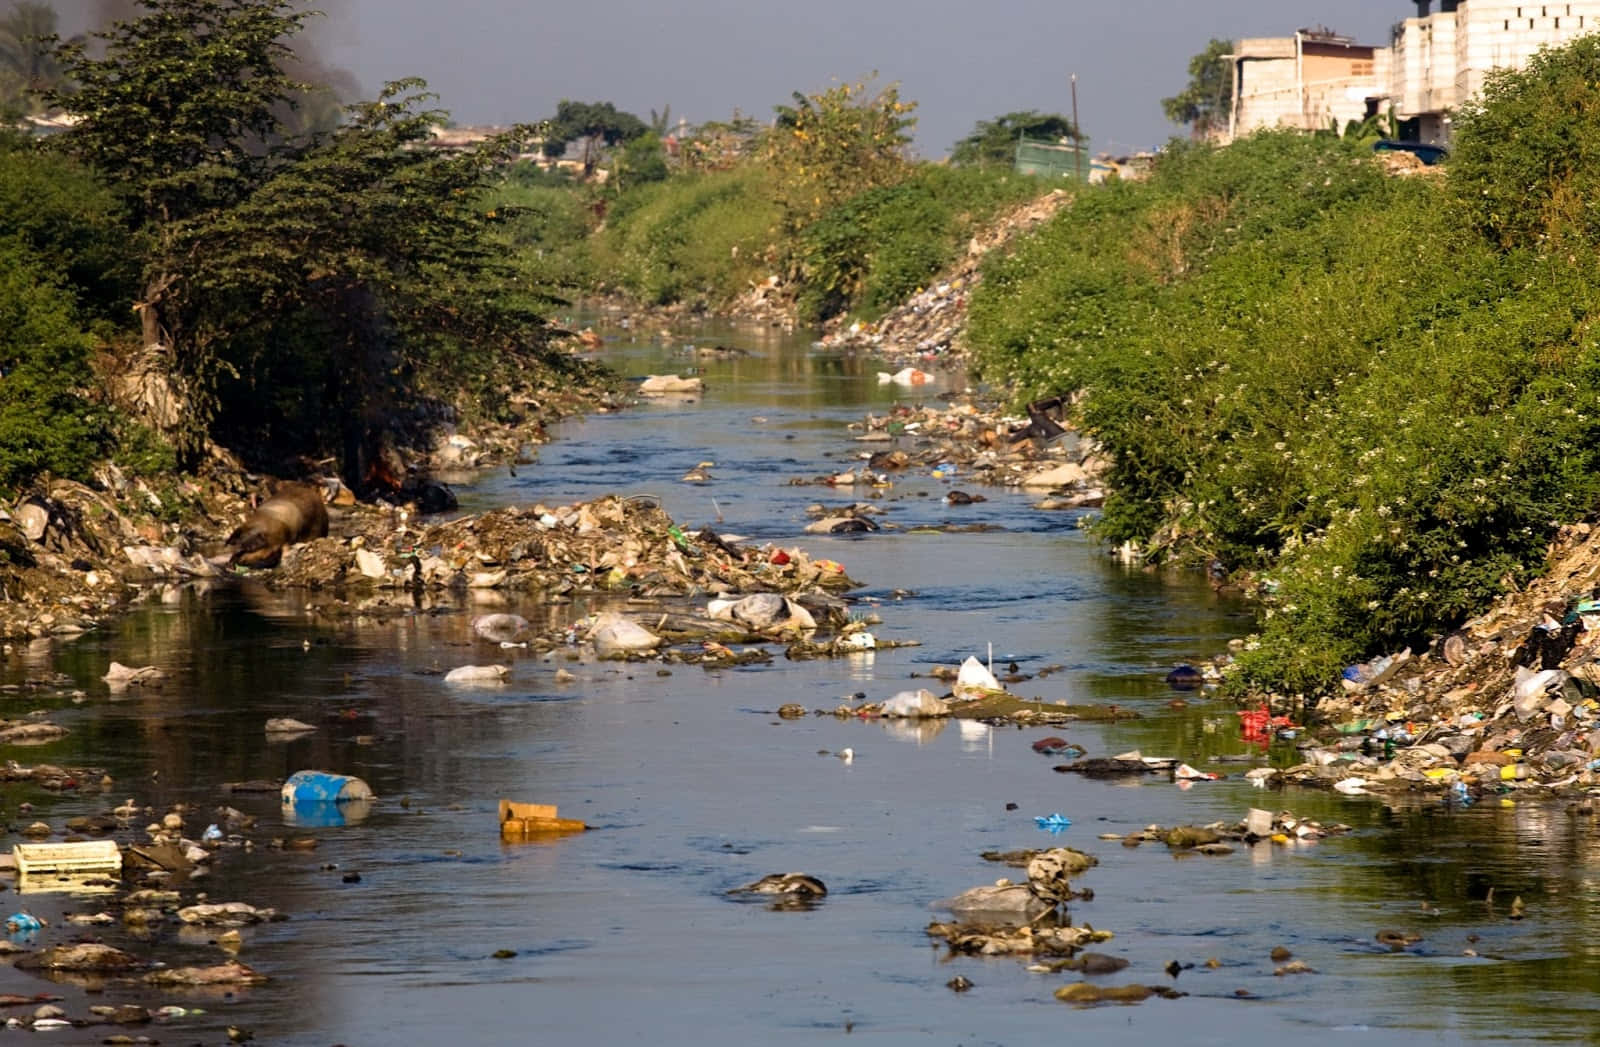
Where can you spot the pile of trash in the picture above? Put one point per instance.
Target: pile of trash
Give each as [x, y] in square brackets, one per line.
[1217, 838]
[74, 555]
[1021, 919]
[1509, 702]
[975, 695]
[625, 546]
[932, 323]
[965, 439]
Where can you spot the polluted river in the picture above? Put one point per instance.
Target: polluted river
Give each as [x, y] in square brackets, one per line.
[417, 924]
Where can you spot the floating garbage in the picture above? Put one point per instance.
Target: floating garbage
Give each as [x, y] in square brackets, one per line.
[905, 376]
[669, 385]
[288, 725]
[975, 681]
[915, 704]
[801, 885]
[120, 676]
[318, 798]
[23, 923]
[1052, 823]
[477, 674]
[83, 857]
[519, 820]
[763, 612]
[501, 628]
[615, 636]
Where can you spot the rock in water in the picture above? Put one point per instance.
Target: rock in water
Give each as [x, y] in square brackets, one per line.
[998, 905]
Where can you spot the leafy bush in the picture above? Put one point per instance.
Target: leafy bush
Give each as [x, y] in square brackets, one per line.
[1523, 164]
[1301, 367]
[69, 222]
[46, 423]
[835, 145]
[545, 228]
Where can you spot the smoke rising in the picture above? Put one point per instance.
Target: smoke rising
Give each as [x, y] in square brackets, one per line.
[309, 65]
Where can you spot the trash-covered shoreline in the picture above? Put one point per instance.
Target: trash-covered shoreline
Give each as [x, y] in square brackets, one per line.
[676, 596]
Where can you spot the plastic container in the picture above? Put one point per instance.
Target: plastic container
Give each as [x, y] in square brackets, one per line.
[318, 798]
[80, 858]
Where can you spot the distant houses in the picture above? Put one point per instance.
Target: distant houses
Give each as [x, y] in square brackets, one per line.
[1434, 61]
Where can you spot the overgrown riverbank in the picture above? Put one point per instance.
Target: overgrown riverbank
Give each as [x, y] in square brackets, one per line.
[1377, 395]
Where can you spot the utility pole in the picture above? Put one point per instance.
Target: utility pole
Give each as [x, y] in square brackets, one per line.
[1077, 131]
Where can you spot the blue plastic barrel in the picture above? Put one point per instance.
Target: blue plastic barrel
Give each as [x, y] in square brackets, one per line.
[320, 798]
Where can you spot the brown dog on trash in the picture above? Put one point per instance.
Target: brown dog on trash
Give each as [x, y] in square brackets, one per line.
[295, 513]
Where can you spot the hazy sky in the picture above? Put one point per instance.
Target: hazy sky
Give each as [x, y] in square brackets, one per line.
[500, 61]
[504, 61]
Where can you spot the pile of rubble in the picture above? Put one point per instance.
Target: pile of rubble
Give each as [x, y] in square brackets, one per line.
[932, 323]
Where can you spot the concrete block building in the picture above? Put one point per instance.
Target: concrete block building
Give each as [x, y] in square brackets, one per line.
[1311, 80]
[1442, 56]
[1436, 60]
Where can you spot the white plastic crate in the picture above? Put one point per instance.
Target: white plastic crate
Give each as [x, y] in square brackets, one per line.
[86, 857]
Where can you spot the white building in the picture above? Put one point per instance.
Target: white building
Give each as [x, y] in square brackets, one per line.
[1435, 61]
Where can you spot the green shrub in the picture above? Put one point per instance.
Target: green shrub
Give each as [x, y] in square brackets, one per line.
[70, 223]
[546, 229]
[46, 421]
[1304, 368]
[1523, 165]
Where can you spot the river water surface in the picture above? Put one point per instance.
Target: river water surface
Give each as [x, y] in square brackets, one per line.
[625, 934]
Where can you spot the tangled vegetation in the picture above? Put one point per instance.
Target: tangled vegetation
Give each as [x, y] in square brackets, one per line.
[310, 295]
[827, 201]
[1379, 395]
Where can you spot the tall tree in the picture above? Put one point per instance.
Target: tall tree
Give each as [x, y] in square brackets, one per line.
[1204, 104]
[179, 113]
[830, 146]
[594, 125]
[994, 142]
[380, 251]
[304, 290]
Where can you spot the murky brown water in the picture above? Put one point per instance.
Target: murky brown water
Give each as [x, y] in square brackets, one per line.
[625, 934]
